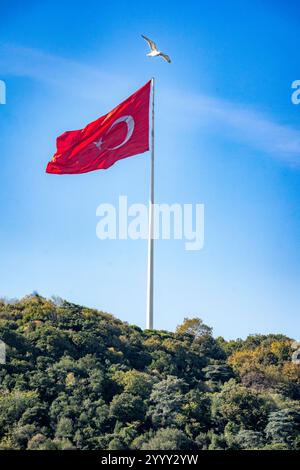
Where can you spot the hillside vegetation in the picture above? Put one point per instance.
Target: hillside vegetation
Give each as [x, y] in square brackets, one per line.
[77, 378]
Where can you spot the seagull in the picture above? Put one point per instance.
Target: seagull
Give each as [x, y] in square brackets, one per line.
[154, 51]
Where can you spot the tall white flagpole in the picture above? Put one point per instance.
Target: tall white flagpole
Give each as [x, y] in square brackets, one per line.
[149, 318]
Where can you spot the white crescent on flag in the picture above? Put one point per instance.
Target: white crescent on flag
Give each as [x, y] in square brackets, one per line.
[130, 128]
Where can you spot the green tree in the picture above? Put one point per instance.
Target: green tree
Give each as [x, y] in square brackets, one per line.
[127, 408]
[169, 439]
[283, 426]
[248, 439]
[239, 405]
[167, 401]
[64, 428]
[135, 382]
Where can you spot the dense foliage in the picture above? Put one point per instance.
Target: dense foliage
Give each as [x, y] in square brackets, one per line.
[80, 378]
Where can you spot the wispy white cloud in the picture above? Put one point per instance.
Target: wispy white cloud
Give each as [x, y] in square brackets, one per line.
[81, 80]
[238, 122]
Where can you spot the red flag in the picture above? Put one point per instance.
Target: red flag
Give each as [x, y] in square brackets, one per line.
[122, 133]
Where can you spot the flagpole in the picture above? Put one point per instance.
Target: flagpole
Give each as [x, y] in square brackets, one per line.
[149, 317]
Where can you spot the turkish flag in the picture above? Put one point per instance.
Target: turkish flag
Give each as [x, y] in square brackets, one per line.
[122, 133]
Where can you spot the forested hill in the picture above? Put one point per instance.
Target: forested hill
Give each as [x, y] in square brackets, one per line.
[80, 378]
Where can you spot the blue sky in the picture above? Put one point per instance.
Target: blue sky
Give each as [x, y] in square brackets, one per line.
[227, 136]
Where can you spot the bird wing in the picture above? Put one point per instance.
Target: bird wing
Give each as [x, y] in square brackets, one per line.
[151, 43]
[166, 57]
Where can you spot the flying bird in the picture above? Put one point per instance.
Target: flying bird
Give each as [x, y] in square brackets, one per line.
[154, 51]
